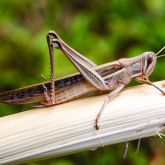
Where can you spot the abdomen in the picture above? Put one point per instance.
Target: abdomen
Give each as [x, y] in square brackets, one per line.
[66, 89]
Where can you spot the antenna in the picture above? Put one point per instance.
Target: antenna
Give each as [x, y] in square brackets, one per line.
[160, 55]
[160, 51]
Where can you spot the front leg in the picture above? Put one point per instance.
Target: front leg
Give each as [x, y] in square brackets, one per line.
[147, 81]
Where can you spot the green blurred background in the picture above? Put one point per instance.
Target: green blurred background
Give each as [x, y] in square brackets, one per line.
[101, 30]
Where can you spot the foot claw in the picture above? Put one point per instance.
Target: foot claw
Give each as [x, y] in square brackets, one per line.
[96, 126]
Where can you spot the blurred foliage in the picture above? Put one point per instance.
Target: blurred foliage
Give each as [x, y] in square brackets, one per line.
[101, 30]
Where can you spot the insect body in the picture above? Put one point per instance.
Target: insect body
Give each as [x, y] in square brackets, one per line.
[91, 78]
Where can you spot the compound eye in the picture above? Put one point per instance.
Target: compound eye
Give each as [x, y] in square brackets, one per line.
[150, 59]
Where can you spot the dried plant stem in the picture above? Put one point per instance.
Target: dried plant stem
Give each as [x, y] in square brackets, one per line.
[137, 112]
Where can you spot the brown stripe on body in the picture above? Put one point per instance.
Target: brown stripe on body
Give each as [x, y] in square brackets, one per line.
[66, 89]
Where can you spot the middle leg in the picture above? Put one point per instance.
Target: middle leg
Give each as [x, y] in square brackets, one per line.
[109, 97]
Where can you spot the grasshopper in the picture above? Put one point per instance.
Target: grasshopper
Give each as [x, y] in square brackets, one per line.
[113, 76]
